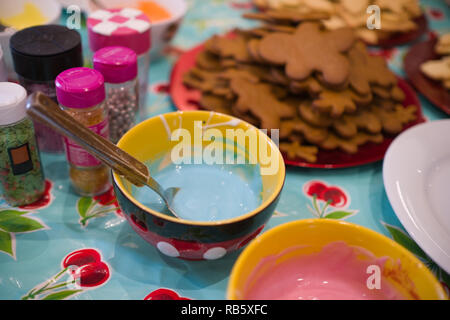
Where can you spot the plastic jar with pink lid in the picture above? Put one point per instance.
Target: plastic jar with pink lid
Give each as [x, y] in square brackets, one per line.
[81, 93]
[128, 28]
[118, 65]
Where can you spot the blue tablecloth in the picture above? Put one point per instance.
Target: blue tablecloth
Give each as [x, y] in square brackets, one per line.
[32, 254]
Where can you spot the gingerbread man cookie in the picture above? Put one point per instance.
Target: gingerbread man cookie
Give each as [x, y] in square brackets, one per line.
[309, 50]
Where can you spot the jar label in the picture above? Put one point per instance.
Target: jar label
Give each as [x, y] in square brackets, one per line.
[20, 159]
[77, 155]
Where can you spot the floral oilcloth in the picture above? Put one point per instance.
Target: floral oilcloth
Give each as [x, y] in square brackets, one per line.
[41, 245]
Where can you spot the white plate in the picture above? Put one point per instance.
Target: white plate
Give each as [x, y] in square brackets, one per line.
[416, 174]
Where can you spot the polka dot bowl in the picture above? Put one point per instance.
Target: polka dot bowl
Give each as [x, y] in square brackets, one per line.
[195, 240]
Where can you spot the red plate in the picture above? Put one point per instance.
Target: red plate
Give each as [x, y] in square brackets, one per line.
[406, 37]
[433, 90]
[186, 99]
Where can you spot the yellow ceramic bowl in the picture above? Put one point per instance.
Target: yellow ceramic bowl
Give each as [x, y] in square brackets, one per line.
[150, 141]
[413, 276]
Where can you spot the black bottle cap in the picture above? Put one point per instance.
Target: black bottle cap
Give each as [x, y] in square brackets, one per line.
[41, 53]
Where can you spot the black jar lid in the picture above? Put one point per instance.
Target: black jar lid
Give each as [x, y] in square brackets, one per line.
[41, 53]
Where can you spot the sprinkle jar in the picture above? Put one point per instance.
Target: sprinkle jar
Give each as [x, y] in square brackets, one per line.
[39, 54]
[81, 93]
[118, 65]
[127, 28]
[21, 178]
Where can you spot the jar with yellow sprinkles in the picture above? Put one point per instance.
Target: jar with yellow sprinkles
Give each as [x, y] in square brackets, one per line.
[81, 93]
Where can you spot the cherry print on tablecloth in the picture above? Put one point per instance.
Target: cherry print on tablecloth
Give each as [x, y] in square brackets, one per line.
[86, 270]
[164, 294]
[160, 88]
[86, 267]
[94, 207]
[81, 257]
[241, 5]
[325, 197]
[388, 53]
[108, 198]
[92, 274]
[435, 13]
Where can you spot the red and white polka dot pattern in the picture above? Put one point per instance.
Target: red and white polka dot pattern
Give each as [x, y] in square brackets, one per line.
[190, 250]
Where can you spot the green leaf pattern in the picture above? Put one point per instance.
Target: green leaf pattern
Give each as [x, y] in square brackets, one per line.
[402, 238]
[12, 222]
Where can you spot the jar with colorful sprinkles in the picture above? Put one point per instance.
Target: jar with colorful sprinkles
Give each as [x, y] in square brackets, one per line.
[21, 177]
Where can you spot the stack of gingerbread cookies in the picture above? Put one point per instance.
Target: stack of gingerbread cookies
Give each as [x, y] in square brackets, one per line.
[320, 88]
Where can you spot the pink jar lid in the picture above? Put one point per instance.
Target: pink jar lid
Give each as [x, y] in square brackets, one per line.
[80, 88]
[119, 27]
[116, 64]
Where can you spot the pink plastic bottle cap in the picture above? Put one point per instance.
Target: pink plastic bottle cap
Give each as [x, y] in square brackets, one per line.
[80, 88]
[119, 27]
[116, 64]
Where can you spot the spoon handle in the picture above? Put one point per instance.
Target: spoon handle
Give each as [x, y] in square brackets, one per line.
[45, 110]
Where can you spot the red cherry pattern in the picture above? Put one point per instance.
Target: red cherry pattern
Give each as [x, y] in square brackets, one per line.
[335, 195]
[241, 5]
[81, 257]
[315, 188]
[387, 54]
[89, 270]
[108, 198]
[44, 201]
[332, 194]
[164, 294]
[436, 14]
[92, 274]
[189, 250]
[161, 88]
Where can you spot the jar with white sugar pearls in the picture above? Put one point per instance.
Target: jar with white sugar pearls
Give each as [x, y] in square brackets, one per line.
[118, 65]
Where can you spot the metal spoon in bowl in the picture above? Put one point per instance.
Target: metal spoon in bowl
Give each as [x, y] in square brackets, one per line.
[45, 110]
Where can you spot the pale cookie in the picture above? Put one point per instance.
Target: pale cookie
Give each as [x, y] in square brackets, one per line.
[443, 45]
[437, 69]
